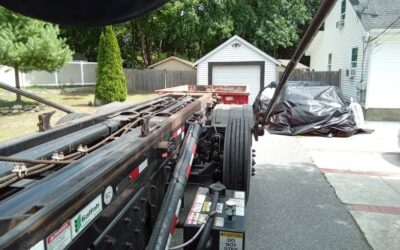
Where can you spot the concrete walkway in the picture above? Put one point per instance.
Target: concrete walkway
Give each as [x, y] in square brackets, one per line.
[292, 206]
[364, 170]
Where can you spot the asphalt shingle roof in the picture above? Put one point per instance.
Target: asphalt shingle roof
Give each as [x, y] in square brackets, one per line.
[377, 14]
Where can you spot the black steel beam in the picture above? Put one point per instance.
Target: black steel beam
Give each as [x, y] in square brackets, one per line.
[29, 141]
[33, 213]
[174, 194]
[66, 144]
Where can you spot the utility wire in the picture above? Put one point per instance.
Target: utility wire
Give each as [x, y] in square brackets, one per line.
[388, 27]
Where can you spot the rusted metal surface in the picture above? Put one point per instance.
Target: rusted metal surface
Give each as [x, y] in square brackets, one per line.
[97, 169]
[44, 121]
[243, 90]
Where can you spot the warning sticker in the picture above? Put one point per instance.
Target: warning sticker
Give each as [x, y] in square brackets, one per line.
[240, 211]
[197, 207]
[60, 238]
[220, 206]
[219, 222]
[206, 206]
[82, 219]
[192, 218]
[230, 241]
[238, 202]
[202, 218]
[239, 195]
[200, 198]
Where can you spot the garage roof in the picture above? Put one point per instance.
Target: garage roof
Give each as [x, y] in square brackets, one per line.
[249, 45]
[190, 64]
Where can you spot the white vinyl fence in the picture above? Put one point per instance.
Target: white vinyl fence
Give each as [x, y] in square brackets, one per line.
[73, 73]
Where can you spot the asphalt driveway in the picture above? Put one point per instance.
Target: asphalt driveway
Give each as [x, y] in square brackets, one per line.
[292, 206]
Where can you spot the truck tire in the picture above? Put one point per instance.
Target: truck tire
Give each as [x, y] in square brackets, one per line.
[70, 117]
[236, 170]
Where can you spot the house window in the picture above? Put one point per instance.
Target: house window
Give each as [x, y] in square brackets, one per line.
[354, 56]
[353, 63]
[330, 62]
[343, 11]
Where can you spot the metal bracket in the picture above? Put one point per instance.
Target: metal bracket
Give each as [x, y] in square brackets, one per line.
[44, 121]
[20, 169]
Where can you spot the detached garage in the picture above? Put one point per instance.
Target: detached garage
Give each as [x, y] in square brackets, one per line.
[237, 62]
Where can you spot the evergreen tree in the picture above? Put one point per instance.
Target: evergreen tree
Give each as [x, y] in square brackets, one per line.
[110, 77]
[27, 44]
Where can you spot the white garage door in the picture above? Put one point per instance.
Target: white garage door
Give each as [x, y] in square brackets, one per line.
[248, 75]
[384, 82]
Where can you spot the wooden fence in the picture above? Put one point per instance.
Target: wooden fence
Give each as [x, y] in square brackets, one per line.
[325, 77]
[149, 80]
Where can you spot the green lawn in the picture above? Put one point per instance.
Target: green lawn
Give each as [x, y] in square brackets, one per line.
[12, 126]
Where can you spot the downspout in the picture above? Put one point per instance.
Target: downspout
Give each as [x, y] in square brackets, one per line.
[368, 83]
[361, 87]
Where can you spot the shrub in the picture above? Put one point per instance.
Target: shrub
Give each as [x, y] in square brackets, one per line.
[110, 77]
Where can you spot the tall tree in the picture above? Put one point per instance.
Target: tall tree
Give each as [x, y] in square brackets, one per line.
[191, 28]
[83, 41]
[110, 82]
[28, 44]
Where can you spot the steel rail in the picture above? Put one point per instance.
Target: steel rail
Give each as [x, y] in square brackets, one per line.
[76, 155]
[174, 194]
[316, 23]
[62, 194]
[30, 141]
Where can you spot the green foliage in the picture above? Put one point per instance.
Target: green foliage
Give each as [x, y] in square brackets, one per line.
[192, 28]
[82, 40]
[110, 82]
[28, 44]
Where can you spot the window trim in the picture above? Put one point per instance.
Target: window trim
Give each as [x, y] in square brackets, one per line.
[330, 56]
[343, 10]
[351, 58]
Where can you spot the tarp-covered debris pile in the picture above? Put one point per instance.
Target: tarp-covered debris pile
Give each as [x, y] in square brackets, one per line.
[305, 108]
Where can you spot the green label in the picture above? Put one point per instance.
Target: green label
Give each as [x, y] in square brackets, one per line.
[82, 219]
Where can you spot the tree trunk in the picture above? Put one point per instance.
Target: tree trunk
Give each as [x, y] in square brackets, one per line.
[133, 43]
[148, 51]
[16, 71]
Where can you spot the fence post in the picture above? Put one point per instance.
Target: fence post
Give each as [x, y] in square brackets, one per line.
[56, 76]
[165, 78]
[82, 73]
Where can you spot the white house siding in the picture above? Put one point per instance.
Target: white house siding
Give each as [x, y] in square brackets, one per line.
[339, 42]
[384, 81]
[238, 54]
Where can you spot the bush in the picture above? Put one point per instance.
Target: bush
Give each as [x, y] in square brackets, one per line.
[110, 77]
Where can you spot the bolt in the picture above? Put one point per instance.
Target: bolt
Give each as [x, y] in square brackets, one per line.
[136, 208]
[127, 220]
[128, 244]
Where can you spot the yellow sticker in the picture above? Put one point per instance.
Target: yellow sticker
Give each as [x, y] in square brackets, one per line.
[231, 234]
[206, 206]
[230, 241]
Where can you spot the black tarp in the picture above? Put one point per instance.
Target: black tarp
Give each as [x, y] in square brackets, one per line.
[311, 108]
